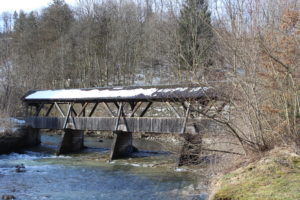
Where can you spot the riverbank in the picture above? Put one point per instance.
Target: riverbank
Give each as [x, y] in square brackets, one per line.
[15, 135]
[11, 139]
[275, 176]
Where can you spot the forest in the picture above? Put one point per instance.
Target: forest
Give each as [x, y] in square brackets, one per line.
[247, 49]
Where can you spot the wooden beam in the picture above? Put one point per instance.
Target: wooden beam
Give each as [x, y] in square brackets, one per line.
[208, 106]
[116, 104]
[59, 109]
[73, 110]
[118, 117]
[49, 110]
[173, 109]
[186, 107]
[83, 112]
[26, 110]
[39, 109]
[67, 117]
[93, 110]
[108, 109]
[186, 118]
[82, 109]
[146, 109]
[136, 107]
[132, 105]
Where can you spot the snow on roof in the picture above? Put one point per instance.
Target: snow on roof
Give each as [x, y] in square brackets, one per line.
[116, 93]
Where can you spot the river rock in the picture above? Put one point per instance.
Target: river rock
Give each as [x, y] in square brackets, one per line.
[20, 168]
[8, 197]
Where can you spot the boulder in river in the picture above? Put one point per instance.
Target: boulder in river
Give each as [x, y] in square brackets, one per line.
[8, 197]
[20, 168]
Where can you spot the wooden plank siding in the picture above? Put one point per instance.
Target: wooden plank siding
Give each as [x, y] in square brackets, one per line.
[134, 124]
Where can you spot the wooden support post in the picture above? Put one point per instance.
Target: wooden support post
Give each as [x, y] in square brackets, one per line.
[67, 117]
[39, 108]
[119, 115]
[186, 118]
[208, 106]
[116, 104]
[136, 107]
[93, 110]
[26, 110]
[31, 110]
[173, 109]
[83, 108]
[132, 105]
[73, 110]
[108, 109]
[59, 109]
[186, 106]
[146, 109]
[49, 110]
[82, 111]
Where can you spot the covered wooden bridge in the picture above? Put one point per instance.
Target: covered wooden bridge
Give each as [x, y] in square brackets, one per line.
[123, 110]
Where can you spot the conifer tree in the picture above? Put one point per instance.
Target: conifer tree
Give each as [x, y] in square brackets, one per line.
[195, 35]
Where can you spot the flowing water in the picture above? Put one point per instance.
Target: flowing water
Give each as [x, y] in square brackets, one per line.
[88, 175]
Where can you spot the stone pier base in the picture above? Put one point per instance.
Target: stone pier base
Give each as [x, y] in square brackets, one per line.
[32, 136]
[191, 150]
[122, 145]
[72, 141]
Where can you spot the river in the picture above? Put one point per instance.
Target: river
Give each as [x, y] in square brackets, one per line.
[88, 175]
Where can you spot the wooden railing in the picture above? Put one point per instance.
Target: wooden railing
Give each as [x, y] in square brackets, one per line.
[133, 124]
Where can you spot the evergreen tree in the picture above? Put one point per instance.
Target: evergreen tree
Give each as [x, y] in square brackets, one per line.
[56, 20]
[195, 34]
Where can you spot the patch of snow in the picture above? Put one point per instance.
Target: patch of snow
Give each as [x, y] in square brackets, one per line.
[117, 92]
[180, 170]
[173, 90]
[199, 89]
[18, 121]
[95, 93]
[135, 165]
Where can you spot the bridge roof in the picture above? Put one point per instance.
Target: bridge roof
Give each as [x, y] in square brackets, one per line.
[113, 94]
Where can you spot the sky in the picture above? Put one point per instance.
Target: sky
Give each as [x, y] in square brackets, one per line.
[26, 5]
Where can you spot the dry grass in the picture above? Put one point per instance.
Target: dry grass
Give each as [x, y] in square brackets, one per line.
[276, 175]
